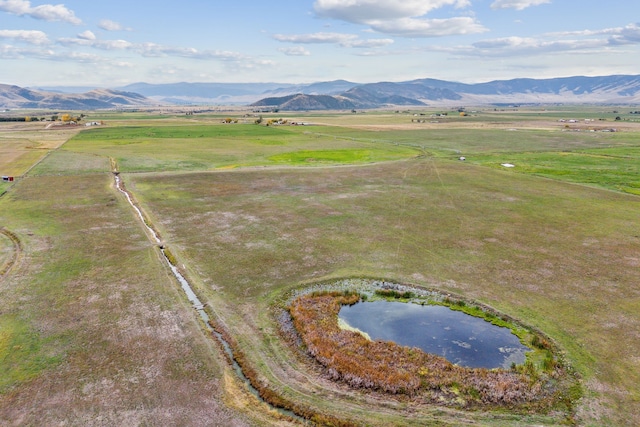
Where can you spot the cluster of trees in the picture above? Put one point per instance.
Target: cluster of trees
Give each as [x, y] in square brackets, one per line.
[54, 118]
[385, 366]
[13, 119]
[68, 118]
[271, 122]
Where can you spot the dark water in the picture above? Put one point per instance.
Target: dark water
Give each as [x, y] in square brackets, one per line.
[462, 339]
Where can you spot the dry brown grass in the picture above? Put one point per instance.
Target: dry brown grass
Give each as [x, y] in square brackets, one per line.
[24, 144]
[124, 348]
[10, 251]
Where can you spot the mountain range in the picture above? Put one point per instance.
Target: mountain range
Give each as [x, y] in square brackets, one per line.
[338, 94]
[619, 89]
[96, 99]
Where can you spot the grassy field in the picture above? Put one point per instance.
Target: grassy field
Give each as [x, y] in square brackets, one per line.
[24, 144]
[93, 328]
[205, 147]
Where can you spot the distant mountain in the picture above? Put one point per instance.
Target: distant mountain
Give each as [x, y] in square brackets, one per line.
[338, 94]
[210, 91]
[321, 88]
[18, 97]
[354, 98]
[620, 89]
[301, 101]
[64, 89]
[231, 93]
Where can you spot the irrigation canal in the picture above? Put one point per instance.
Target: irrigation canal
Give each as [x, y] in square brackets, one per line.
[195, 301]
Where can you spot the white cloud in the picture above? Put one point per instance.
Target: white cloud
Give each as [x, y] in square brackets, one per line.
[16, 7]
[370, 43]
[87, 35]
[404, 19]
[525, 46]
[363, 11]
[109, 25]
[154, 50]
[29, 36]
[158, 50]
[12, 52]
[45, 12]
[295, 51]
[582, 33]
[89, 39]
[344, 40]
[409, 27]
[579, 42]
[517, 4]
[627, 35]
[233, 59]
[79, 57]
[113, 44]
[336, 38]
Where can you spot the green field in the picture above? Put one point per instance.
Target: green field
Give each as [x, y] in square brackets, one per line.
[95, 329]
[206, 147]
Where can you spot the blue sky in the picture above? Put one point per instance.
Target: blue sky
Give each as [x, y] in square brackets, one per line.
[114, 43]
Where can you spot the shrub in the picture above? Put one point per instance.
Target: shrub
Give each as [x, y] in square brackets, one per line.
[392, 293]
[170, 257]
[540, 343]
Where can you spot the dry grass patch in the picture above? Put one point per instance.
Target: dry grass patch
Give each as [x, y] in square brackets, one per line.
[112, 339]
[24, 144]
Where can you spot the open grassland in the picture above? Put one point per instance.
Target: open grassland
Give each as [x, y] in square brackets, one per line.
[24, 144]
[613, 168]
[93, 329]
[7, 253]
[561, 258]
[196, 147]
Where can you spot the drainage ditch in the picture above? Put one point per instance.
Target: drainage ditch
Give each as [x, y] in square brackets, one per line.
[198, 305]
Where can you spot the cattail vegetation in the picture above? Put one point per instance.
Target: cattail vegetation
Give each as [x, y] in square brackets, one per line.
[383, 366]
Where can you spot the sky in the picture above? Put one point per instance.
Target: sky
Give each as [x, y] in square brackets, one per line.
[115, 43]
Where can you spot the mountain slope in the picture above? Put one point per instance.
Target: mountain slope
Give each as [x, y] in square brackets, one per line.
[301, 101]
[18, 97]
[232, 93]
[617, 89]
[341, 94]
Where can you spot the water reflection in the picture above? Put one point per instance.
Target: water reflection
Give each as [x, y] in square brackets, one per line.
[462, 339]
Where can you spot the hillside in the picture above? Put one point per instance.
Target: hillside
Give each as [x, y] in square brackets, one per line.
[232, 93]
[18, 97]
[301, 101]
[569, 90]
[338, 94]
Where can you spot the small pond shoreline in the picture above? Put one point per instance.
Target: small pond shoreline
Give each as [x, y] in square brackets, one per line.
[539, 385]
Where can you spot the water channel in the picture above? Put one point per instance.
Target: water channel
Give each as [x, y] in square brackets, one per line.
[197, 304]
[460, 338]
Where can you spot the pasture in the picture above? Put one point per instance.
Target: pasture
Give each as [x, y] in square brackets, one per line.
[92, 318]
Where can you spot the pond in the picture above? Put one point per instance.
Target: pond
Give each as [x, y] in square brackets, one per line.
[460, 338]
